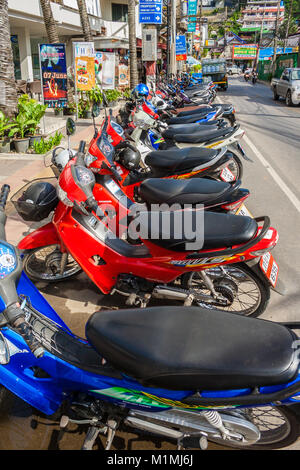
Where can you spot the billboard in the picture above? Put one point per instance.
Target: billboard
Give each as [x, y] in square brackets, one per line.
[247, 52]
[54, 74]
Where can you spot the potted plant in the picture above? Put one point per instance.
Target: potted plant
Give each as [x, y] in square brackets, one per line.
[59, 112]
[84, 107]
[20, 126]
[70, 109]
[34, 111]
[5, 125]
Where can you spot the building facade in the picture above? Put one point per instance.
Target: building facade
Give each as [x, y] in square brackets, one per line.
[108, 19]
[261, 14]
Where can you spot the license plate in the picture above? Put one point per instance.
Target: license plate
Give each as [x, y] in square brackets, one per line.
[226, 175]
[244, 211]
[269, 267]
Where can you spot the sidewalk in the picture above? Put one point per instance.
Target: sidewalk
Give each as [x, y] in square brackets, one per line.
[16, 170]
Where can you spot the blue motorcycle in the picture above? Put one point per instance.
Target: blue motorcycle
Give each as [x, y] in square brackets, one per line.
[189, 375]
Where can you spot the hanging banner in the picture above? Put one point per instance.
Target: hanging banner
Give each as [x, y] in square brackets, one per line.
[84, 49]
[85, 73]
[192, 10]
[54, 74]
[123, 75]
[99, 67]
[108, 71]
[181, 51]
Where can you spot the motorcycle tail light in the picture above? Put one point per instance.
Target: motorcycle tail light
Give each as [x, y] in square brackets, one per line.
[258, 253]
[235, 205]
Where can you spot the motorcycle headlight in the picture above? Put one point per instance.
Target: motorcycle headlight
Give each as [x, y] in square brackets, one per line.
[63, 197]
[89, 159]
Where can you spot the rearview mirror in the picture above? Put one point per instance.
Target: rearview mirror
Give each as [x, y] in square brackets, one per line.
[70, 127]
[95, 110]
[105, 102]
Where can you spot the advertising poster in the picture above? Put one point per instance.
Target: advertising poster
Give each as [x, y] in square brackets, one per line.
[98, 67]
[54, 74]
[85, 73]
[108, 71]
[123, 75]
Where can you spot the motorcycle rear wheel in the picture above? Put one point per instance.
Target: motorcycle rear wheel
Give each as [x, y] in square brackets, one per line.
[279, 427]
[43, 264]
[246, 293]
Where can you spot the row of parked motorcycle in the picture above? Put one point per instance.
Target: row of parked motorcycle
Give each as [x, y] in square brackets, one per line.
[197, 368]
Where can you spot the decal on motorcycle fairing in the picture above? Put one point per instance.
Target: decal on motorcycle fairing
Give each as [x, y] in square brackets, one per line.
[130, 396]
[186, 176]
[146, 399]
[202, 261]
[179, 404]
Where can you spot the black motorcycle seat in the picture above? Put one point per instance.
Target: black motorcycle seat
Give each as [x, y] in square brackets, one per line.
[188, 191]
[191, 119]
[206, 109]
[216, 230]
[186, 129]
[192, 348]
[172, 160]
[203, 135]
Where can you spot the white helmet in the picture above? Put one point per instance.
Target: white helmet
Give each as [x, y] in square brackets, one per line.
[61, 156]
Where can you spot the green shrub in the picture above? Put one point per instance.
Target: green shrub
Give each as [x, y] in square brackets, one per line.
[45, 146]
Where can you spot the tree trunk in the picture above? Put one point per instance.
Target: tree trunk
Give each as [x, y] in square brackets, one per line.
[85, 23]
[50, 23]
[8, 91]
[134, 77]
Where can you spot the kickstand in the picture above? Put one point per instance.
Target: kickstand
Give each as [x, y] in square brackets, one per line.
[112, 427]
[90, 439]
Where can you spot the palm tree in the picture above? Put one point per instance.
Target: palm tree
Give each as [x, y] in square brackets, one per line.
[134, 77]
[85, 23]
[50, 23]
[8, 90]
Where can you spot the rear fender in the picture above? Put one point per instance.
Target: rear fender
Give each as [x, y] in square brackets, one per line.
[43, 236]
[280, 286]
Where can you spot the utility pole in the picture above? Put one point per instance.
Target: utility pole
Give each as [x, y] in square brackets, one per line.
[262, 25]
[172, 58]
[276, 38]
[288, 26]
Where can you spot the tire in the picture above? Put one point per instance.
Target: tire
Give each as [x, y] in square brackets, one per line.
[233, 273]
[288, 99]
[287, 434]
[275, 96]
[39, 264]
[6, 400]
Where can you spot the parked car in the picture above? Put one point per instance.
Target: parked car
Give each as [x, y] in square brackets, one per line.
[287, 86]
[233, 70]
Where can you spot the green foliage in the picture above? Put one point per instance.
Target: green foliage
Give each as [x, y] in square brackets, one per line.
[112, 95]
[33, 110]
[20, 126]
[45, 146]
[5, 125]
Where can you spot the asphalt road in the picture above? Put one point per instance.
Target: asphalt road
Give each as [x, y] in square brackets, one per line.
[272, 141]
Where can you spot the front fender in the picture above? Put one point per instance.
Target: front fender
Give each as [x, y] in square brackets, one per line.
[43, 236]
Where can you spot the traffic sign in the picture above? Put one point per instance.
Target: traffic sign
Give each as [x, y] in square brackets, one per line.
[150, 11]
[181, 52]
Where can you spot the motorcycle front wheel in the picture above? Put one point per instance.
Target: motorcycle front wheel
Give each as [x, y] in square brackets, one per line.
[46, 264]
[240, 289]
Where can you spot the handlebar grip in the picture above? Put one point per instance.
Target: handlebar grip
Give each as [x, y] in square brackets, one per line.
[82, 146]
[5, 190]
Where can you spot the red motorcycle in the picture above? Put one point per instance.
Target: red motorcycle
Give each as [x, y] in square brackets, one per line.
[220, 260]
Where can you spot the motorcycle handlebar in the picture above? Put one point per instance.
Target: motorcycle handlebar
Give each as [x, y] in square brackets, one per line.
[13, 313]
[82, 145]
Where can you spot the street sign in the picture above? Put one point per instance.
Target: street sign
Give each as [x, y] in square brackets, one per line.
[150, 11]
[181, 52]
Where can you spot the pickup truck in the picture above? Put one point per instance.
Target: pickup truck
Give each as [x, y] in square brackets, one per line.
[287, 86]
